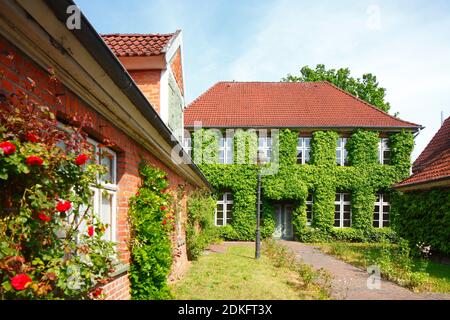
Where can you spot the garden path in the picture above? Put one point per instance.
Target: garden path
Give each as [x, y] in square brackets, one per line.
[349, 282]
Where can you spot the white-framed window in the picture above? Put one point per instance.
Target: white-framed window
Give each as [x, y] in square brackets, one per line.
[224, 209]
[382, 210]
[226, 150]
[309, 208]
[303, 149]
[187, 143]
[384, 151]
[341, 152]
[105, 198]
[265, 147]
[342, 210]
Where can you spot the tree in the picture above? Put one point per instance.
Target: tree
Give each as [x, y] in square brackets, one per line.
[365, 88]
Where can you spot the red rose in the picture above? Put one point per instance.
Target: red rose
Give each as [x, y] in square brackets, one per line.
[138, 194]
[164, 222]
[32, 137]
[163, 208]
[44, 217]
[91, 231]
[81, 159]
[7, 147]
[20, 281]
[34, 161]
[97, 292]
[63, 206]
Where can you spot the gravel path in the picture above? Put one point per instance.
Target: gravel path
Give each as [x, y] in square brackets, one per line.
[349, 282]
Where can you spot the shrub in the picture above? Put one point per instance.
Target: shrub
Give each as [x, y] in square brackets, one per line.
[45, 199]
[152, 221]
[200, 229]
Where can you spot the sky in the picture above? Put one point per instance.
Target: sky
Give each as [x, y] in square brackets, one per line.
[406, 44]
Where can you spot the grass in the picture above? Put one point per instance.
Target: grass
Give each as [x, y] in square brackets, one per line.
[417, 274]
[235, 274]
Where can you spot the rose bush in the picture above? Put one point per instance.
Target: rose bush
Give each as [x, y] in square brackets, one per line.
[45, 200]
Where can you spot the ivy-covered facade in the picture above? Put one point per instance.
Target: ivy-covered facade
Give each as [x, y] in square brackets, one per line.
[320, 183]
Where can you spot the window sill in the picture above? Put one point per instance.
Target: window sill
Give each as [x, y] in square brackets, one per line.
[119, 269]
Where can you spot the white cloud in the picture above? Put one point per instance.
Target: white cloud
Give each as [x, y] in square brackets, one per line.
[407, 49]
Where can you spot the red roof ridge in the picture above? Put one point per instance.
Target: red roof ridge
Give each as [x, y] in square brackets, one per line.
[138, 34]
[370, 105]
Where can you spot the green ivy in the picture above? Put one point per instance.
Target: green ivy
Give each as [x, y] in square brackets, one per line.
[150, 247]
[321, 177]
[423, 218]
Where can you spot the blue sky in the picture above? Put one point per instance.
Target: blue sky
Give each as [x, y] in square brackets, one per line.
[406, 44]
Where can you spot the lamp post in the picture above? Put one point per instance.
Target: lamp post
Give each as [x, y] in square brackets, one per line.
[260, 161]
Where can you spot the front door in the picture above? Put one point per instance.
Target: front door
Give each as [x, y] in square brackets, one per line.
[283, 222]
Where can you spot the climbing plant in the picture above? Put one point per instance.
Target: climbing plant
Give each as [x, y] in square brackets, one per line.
[423, 218]
[200, 228]
[363, 178]
[152, 222]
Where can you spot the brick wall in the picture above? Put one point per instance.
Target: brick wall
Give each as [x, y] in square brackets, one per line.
[117, 289]
[149, 83]
[177, 70]
[129, 153]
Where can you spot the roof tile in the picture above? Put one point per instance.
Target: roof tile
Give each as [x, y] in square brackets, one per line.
[434, 161]
[138, 45]
[285, 104]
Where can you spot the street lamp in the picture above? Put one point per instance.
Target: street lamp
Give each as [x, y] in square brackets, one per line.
[260, 161]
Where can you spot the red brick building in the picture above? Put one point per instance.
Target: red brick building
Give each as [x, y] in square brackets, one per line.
[135, 101]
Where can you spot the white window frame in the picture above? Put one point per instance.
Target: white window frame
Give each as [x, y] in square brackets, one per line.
[224, 200]
[225, 145]
[341, 203]
[109, 188]
[265, 146]
[343, 152]
[311, 203]
[383, 145]
[381, 203]
[303, 149]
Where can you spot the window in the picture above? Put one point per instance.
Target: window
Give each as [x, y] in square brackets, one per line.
[226, 150]
[224, 209]
[384, 152]
[381, 213]
[187, 143]
[341, 152]
[104, 200]
[265, 147]
[342, 210]
[303, 150]
[309, 209]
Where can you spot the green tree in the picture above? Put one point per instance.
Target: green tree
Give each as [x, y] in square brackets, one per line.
[366, 88]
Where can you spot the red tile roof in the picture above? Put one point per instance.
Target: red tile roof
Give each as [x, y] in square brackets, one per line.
[138, 45]
[434, 161]
[285, 104]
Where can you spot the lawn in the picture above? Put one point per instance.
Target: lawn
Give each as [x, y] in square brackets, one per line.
[235, 274]
[418, 274]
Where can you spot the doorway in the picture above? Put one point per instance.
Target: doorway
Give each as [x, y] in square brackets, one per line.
[283, 221]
